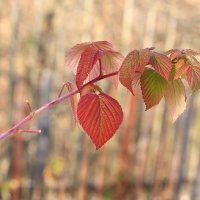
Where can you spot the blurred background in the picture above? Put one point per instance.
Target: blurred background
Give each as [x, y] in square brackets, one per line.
[148, 158]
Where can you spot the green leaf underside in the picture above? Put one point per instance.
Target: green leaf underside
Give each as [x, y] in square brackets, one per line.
[100, 116]
[88, 58]
[152, 86]
[161, 63]
[193, 77]
[135, 62]
[175, 98]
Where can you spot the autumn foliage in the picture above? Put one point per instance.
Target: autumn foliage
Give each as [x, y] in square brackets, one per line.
[173, 76]
[159, 75]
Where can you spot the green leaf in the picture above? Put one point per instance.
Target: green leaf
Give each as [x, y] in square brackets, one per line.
[175, 98]
[152, 86]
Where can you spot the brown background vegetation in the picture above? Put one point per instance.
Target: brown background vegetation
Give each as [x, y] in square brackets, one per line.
[148, 158]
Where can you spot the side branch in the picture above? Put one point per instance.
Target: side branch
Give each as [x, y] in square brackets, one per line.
[15, 128]
[36, 112]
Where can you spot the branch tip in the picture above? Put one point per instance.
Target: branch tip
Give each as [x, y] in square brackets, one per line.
[29, 106]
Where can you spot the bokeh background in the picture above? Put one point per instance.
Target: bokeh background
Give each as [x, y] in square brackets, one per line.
[148, 158]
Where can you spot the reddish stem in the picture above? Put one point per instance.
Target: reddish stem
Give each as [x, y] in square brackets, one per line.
[15, 128]
[29, 106]
[100, 66]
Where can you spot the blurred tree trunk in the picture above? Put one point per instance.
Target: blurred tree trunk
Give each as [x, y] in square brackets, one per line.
[101, 174]
[142, 152]
[127, 25]
[195, 194]
[12, 54]
[150, 27]
[43, 139]
[83, 172]
[160, 165]
[18, 144]
[126, 147]
[87, 23]
[185, 130]
[15, 100]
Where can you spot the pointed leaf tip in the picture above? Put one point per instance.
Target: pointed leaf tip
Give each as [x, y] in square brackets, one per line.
[73, 55]
[88, 58]
[100, 116]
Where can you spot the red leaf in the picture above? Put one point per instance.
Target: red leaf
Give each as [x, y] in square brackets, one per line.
[73, 55]
[134, 62]
[175, 98]
[100, 116]
[111, 62]
[88, 58]
[103, 45]
[152, 86]
[176, 54]
[161, 63]
[178, 69]
[193, 77]
[94, 73]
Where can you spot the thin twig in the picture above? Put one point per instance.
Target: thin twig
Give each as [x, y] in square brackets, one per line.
[15, 128]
